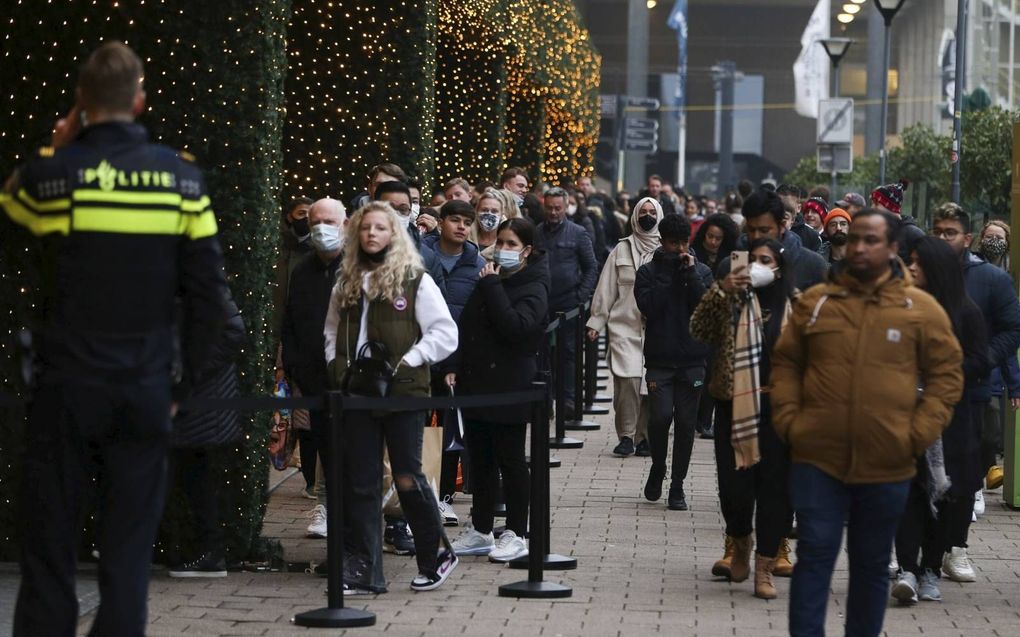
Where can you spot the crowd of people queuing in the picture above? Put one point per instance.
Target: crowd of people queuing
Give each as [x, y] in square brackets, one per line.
[850, 368]
[744, 321]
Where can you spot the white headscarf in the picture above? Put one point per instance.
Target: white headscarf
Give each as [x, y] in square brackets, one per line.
[644, 244]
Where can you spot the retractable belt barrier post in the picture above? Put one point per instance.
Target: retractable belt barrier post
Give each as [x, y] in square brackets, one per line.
[584, 375]
[601, 364]
[592, 364]
[335, 615]
[536, 586]
[561, 441]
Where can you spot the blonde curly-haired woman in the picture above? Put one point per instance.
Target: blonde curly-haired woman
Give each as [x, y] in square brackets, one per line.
[495, 206]
[384, 295]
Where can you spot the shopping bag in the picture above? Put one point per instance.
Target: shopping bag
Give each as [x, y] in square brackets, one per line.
[281, 436]
[431, 466]
[453, 429]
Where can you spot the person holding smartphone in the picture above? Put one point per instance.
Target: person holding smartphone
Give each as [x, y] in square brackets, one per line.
[667, 290]
[742, 316]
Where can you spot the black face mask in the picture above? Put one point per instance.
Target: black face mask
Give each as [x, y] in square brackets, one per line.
[838, 239]
[378, 257]
[647, 223]
[300, 228]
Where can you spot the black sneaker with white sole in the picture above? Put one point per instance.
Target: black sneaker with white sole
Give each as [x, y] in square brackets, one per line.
[208, 565]
[397, 538]
[445, 563]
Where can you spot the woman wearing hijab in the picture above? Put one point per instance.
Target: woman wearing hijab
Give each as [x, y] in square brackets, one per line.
[615, 308]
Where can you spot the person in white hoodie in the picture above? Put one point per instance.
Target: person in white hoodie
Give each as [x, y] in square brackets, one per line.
[384, 296]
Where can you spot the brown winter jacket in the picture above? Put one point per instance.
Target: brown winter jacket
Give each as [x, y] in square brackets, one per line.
[846, 372]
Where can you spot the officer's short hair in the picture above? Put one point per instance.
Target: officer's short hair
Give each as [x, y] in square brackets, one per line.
[110, 78]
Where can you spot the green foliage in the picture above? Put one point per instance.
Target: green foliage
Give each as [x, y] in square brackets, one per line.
[987, 154]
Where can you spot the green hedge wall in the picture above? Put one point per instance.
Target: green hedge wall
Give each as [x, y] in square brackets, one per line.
[216, 92]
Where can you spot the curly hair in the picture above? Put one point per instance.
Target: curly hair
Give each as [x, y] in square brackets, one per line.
[386, 281]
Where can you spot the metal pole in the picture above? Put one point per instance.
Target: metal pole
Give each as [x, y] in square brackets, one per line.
[961, 59]
[835, 93]
[726, 88]
[885, 101]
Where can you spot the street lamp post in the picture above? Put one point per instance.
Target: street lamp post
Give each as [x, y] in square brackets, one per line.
[835, 48]
[888, 9]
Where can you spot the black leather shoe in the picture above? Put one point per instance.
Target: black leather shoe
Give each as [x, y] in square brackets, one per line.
[625, 448]
[653, 486]
[642, 449]
[676, 501]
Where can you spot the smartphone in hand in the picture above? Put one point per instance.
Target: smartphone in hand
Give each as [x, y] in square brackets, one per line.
[738, 259]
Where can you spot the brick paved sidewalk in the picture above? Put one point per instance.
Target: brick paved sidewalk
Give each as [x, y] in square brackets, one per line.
[642, 570]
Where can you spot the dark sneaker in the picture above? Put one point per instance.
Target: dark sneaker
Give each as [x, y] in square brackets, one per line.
[445, 563]
[208, 565]
[642, 449]
[352, 590]
[398, 539]
[653, 486]
[707, 434]
[676, 501]
[625, 448]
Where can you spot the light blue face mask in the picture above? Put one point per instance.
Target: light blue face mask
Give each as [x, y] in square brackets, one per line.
[326, 238]
[507, 259]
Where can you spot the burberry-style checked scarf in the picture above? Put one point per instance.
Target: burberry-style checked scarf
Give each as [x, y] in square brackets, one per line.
[746, 383]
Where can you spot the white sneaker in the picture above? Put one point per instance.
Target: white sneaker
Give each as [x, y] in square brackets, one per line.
[894, 567]
[979, 503]
[509, 547]
[957, 567]
[318, 526]
[447, 513]
[471, 542]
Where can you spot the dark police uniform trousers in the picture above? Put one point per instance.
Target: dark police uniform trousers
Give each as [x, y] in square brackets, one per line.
[124, 227]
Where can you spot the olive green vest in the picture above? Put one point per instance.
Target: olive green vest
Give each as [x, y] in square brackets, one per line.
[393, 325]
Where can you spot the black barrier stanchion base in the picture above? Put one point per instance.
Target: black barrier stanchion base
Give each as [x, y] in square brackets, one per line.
[535, 590]
[551, 562]
[581, 425]
[594, 410]
[335, 618]
[602, 398]
[554, 462]
[565, 442]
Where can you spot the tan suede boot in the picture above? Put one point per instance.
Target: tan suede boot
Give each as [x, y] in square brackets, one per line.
[783, 566]
[763, 586]
[740, 564]
[722, 567]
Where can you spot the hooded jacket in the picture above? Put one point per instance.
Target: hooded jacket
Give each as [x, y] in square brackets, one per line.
[501, 330]
[845, 376]
[667, 295]
[461, 280]
[991, 289]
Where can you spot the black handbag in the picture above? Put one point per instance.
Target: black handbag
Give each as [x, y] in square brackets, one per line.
[370, 374]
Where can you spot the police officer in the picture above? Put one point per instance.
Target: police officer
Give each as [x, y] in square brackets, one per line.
[125, 225]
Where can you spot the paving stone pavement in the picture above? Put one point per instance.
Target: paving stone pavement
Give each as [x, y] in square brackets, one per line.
[642, 570]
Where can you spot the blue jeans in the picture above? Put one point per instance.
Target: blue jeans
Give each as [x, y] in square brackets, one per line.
[823, 504]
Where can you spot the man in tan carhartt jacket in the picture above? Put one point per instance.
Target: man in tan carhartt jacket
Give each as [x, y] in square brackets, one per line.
[846, 374]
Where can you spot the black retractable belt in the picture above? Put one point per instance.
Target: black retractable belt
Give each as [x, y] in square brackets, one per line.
[582, 376]
[539, 558]
[561, 441]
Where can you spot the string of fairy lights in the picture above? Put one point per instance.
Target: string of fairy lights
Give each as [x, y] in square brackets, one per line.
[285, 97]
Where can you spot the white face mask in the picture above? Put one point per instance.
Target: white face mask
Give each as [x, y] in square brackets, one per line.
[326, 238]
[415, 210]
[761, 275]
[571, 210]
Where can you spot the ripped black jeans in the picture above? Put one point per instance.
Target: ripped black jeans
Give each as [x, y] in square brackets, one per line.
[363, 435]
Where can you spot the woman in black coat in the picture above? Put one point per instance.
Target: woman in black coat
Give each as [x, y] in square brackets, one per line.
[501, 331]
[196, 438]
[937, 520]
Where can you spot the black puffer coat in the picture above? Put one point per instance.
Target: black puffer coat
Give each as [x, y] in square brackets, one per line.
[501, 330]
[218, 379]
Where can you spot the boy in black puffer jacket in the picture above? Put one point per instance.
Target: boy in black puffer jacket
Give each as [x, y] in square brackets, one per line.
[667, 290]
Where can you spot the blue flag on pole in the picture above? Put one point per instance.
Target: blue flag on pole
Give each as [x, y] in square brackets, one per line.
[678, 22]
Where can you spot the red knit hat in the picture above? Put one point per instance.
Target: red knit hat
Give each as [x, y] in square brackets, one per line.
[890, 196]
[818, 205]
